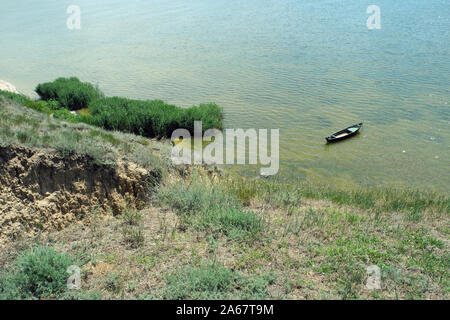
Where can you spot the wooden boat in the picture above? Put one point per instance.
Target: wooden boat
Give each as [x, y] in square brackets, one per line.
[344, 134]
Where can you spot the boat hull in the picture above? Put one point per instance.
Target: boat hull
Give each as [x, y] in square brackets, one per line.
[344, 134]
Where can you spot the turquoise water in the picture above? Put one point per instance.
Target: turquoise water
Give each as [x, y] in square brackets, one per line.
[309, 68]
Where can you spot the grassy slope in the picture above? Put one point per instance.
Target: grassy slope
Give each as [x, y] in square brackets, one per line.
[30, 128]
[211, 236]
[148, 118]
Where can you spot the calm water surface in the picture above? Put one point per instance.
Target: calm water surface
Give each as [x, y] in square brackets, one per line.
[306, 67]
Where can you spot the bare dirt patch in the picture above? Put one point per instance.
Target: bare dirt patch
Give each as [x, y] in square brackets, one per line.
[41, 190]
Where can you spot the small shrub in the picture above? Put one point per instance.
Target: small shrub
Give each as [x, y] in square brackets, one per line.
[132, 217]
[71, 93]
[9, 287]
[113, 282]
[39, 273]
[134, 236]
[132, 228]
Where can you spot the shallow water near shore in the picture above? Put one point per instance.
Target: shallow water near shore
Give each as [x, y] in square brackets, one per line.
[309, 68]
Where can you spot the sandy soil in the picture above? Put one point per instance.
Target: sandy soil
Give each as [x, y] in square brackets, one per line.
[42, 191]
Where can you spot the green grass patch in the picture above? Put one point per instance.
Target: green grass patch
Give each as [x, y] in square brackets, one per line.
[66, 115]
[41, 106]
[16, 97]
[107, 137]
[212, 209]
[23, 126]
[236, 224]
[84, 112]
[285, 194]
[195, 197]
[40, 272]
[214, 282]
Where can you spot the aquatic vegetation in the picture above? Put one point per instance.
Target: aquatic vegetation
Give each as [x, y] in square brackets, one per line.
[71, 93]
[151, 118]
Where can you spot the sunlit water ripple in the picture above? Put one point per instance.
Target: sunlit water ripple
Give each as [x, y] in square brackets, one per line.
[308, 68]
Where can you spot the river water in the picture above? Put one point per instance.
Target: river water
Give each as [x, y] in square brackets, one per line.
[307, 67]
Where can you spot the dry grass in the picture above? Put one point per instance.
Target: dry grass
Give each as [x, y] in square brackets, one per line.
[23, 126]
[319, 251]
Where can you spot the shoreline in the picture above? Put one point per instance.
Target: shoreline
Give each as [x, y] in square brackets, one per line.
[431, 187]
[258, 235]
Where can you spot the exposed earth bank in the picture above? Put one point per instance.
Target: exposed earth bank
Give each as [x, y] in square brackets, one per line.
[42, 190]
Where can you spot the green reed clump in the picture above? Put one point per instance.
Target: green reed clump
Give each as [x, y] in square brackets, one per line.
[71, 93]
[210, 114]
[151, 118]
